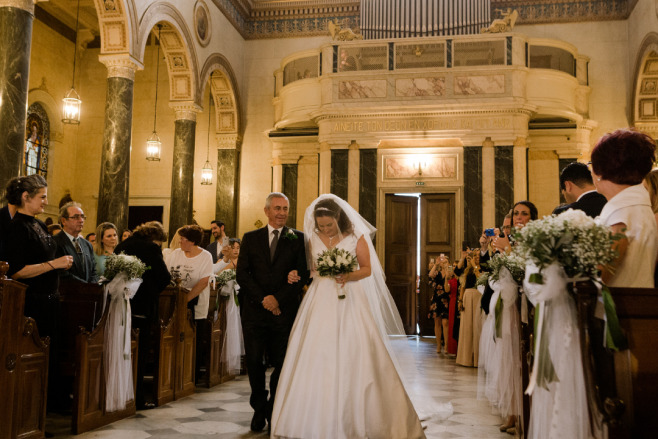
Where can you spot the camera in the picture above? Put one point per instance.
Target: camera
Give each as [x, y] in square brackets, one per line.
[489, 232]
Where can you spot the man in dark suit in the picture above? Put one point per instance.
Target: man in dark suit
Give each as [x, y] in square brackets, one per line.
[268, 303]
[70, 243]
[578, 189]
[145, 244]
[215, 247]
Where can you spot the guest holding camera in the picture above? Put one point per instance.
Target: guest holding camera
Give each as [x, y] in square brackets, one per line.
[469, 305]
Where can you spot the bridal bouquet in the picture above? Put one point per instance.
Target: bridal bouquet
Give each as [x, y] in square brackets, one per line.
[122, 279]
[333, 262]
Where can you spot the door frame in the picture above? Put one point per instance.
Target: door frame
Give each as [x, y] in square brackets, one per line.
[381, 214]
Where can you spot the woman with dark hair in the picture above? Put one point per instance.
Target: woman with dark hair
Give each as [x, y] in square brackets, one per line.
[194, 264]
[30, 251]
[620, 161]
[470, 320]
[522, 213]
[104, 245]
[127, 233]
[145, 244]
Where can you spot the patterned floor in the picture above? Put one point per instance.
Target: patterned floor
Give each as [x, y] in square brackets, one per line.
[223, 412]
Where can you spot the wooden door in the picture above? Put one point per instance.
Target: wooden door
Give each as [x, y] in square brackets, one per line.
[437, 235]
[400, 260]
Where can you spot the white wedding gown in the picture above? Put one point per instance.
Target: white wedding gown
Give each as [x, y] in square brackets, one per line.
[338, 379]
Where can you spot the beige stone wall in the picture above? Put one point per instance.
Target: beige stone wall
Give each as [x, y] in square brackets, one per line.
[261, 59]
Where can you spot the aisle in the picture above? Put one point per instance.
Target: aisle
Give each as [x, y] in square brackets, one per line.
[223, 412]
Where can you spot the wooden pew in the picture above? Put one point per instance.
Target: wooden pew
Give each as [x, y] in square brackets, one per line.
[621, 386]
[216, 371]
[175, 348]
[23, 367]
[83, 343]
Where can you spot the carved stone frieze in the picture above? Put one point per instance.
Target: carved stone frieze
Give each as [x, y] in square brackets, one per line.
[121, 66]
[185, 110]
[228, 141]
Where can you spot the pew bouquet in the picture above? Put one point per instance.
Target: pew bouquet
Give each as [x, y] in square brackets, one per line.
[558, 250]
[131, 266]
[333, 262]
[122, 278]
[227, 285]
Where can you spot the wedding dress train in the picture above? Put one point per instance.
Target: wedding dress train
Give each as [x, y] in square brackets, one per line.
[338, 379]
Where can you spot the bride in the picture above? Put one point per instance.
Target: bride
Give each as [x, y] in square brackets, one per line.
[339, 378]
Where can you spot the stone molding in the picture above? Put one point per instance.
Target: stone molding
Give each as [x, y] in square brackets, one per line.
[459, 113]
[26, 5]
[228, 141]
[185, 110]
[121, 66]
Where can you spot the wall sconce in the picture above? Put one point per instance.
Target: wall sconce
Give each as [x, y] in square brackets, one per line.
[419, 163]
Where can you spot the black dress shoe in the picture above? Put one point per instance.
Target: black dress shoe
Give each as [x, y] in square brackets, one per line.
[146, 406]
[258, 422]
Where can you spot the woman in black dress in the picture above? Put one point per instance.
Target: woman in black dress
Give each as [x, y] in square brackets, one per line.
[30, 251]
[439, 307]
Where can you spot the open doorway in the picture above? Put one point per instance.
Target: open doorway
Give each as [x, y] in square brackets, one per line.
[419, 227]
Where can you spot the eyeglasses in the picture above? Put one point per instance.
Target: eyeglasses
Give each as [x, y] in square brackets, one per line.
[78, 217]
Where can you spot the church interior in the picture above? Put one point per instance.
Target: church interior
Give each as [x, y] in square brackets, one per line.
[430, 117]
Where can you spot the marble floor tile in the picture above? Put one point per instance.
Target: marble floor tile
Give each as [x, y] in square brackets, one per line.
[223, 412]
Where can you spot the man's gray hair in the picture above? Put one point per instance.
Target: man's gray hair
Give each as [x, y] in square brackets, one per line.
[64, 210]
[268, 200]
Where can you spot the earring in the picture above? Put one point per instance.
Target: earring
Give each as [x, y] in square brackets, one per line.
[598, 179]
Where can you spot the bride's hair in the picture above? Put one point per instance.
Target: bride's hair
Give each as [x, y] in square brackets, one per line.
[331, 208]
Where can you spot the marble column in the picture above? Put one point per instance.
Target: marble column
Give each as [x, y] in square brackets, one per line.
[339, 173]
[228, 182]
[472, 194]
[488, 184]
[368, 185]
[353, 174]
[504, 161]
[182, 172]
[289, 187]
[277, 175]
[113, 195]
[16, 17]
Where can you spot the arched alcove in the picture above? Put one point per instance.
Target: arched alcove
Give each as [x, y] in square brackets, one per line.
[644, 112]
[225, 93]
[178, 47]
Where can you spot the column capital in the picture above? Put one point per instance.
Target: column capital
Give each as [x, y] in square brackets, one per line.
[228, 141]
[520, 142]
[26, 5]
[488, 142]
[121, 66]
[186, 110]
[353, 145]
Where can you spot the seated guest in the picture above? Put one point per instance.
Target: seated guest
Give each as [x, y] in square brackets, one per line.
[104, 245]
[620, 161]
[145, 244]
[578, 189]
[70, 243]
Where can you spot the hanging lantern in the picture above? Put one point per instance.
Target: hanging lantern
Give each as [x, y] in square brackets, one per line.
[71, 103]
[153, 144]
[153, 147]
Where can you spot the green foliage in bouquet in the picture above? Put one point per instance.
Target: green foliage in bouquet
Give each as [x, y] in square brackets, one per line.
[335, 261]
[123, 263]
[512, 261]
[224, 277]
[573, 239]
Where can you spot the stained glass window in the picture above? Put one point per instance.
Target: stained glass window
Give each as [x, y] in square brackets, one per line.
[37, 139]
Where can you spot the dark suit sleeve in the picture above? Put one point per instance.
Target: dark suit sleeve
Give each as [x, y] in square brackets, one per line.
[157, 275]
[247, 283]
[91, 263]
[291, 292]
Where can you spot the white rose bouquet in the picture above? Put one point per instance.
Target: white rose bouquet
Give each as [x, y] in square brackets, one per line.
[333, 262]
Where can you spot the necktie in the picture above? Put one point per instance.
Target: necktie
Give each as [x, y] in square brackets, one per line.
[76, 244]
[273, 244]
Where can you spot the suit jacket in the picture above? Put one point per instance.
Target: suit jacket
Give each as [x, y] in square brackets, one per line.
[212, 248]
[259, 277]
[84, 265]
[591, 203]
[154, 280]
